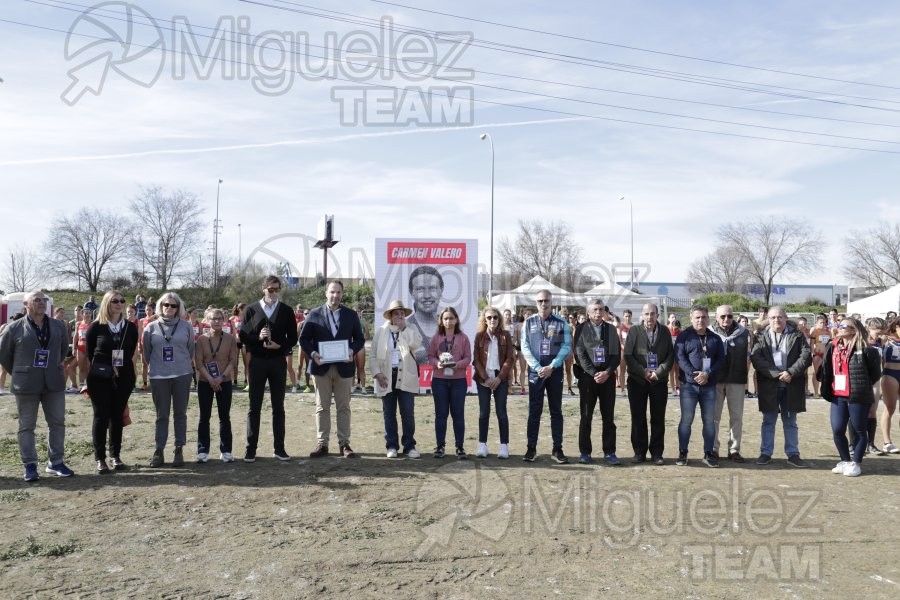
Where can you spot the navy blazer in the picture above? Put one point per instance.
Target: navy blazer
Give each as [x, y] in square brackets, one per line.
[317, 328]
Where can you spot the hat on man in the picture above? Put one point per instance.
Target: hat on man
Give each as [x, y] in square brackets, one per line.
[396, 304]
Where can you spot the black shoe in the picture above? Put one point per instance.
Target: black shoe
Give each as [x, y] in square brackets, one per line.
[763, 459]
[250, 456]
[102, 468]
[639, 458]
[559, 457]
[736, 457]
[281, 455]
[439, 452]
[530, 454]
[657, 460]
[461, 454]
[118, 465]
[710, 459]
[796, 461]
[682, 458]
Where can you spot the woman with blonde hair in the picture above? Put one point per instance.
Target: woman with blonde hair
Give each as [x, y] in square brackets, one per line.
[110, 344]
[216, 360]
[493, 360]
[849, 370]
[168, 350]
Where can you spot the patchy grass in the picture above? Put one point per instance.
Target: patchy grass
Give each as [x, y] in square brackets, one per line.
[11, 496]
[9, 451]
[31, 548]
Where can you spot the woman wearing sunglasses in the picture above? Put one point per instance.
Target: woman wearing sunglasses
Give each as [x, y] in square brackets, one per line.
[110, 344]
[850, 368]
[493, 362]
[168, 350]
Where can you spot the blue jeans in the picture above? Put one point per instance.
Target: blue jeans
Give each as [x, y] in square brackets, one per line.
[449, 399]
[484, 412]
[691, 395]
[406, 402]
[789, 423]
[857, 414]
[554, 387]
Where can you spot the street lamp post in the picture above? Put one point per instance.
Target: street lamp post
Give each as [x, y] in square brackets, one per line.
[239, 244]
[491, 275]
[631, 216]
[216, 239]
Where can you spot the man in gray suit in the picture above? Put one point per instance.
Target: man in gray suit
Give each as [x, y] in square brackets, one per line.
[32, 350]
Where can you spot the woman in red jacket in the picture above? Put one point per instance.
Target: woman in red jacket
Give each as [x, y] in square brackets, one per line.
[494, 358]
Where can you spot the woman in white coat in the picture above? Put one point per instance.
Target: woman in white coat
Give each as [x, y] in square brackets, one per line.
[393, 365]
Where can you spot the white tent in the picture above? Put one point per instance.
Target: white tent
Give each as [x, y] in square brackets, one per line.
[524, 295]
[618, 298]
[877, 305]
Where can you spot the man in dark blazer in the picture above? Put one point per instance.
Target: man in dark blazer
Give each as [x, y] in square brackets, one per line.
[32, 351]
[598, 354]
[649, 355]
[269, 333]
[332, 322]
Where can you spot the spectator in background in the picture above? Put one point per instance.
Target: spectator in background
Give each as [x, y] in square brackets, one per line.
[92, 306]
[150, 311]
[140, 306]
[360, 357]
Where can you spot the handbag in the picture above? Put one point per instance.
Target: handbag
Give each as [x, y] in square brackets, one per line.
[100, 370]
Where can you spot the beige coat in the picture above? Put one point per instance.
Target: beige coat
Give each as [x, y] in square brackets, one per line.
[380, 359]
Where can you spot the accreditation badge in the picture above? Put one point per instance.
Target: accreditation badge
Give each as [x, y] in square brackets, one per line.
[652, 360]
[545, 347]
[168, 354]
[118, 358]
[213, 369]
[707, 363]
[599, 355]
[41, 358]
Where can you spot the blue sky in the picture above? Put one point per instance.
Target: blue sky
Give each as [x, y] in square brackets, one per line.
[286, 159]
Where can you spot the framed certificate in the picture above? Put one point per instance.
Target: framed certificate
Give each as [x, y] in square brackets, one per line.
[336, 351]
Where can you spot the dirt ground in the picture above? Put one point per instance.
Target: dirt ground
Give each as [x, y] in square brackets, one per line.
[481, 528]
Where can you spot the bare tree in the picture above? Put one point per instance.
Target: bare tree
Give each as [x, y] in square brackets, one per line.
[83, 246]
[23, 271]
[168, 230]
[722, 270]
[776, 248]
[541, 248]
[873, 256]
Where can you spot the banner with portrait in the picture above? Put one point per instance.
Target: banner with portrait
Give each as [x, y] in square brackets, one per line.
[427, 276]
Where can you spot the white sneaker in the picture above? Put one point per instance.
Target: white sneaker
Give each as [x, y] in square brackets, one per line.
[851, 469]
[392, 453]
[482, 451]
[227, 457]
[890, 448]
[202, 457]
[413, 453]
[504, 451]
[839, 468]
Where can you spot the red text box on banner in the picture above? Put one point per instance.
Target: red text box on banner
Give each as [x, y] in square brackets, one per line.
[427, 371]
[433, 253]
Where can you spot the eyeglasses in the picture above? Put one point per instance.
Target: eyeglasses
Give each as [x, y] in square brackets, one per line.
[167, 305]
[273, 290]
[491, 317]
[726, 316]
[214, 319]
[543, 301]
[117, 302]
[843, 326]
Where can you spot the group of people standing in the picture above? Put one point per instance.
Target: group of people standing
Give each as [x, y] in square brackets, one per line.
[711, 361]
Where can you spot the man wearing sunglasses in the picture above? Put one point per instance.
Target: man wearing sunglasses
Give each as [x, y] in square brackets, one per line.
[269, 334]
[32, 350]
[731, 380]
[546, 340]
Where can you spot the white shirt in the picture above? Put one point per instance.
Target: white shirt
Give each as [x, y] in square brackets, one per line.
[269, 310]
[493, 357]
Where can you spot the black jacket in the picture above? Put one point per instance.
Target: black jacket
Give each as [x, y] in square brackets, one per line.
[798, 358]
[865, 371]
[734, 369]
[282, 326]
[637, 346]
[587, 341]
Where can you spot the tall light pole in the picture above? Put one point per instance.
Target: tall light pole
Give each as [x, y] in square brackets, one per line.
[631, 215]
[487, 136]
[239, 244]
[216, 239]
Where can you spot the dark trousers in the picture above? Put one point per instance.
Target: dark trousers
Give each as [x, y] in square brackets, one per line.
[205, 395]
[406, 403]
[553, 386]
[449, 400]
[263, 369]
[591, 393]
[640, 394]
[109, 397]
[484, 411]
[856, 414]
